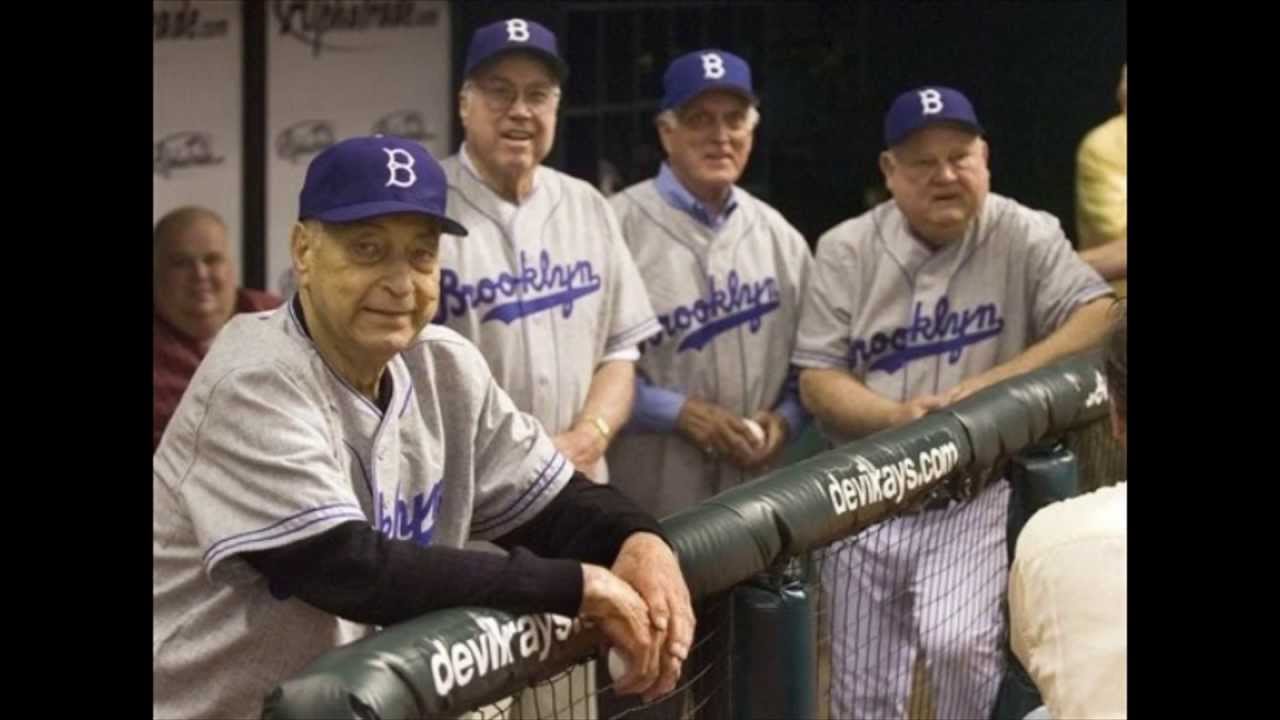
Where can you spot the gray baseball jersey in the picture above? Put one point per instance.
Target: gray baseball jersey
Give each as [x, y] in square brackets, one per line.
[906, 322]
[545, 289]
[268, 447]
[729, 303]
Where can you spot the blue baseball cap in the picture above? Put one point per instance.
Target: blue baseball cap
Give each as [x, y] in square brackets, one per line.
[924, 106]
[702, 70]
[365, 177]
[511, 35]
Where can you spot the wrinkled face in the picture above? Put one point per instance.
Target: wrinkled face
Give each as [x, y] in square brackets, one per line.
[709, 145]
[193, 282]
[939, 179]
[372, 285]
[508, 111]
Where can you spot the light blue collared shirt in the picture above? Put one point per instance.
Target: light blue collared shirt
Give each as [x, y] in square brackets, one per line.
[671, 190]
[656, 408]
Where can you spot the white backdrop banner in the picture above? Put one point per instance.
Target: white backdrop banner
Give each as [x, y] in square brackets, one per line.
[196, 122]
[341, 68]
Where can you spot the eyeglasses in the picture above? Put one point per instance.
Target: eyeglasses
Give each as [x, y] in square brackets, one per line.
[699, 120]
[500, 97]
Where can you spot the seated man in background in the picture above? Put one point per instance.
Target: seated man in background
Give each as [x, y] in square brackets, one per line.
[194, 296]
[1068, 587]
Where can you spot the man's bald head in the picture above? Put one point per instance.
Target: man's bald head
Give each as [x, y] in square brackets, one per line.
[176, 221]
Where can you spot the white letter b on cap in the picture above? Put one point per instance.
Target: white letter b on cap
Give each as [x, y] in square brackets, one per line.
[712, 66]
[930, 101]
[517, 30]
[394, 168]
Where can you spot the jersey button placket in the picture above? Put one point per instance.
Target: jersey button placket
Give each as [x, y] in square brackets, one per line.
[541, 335]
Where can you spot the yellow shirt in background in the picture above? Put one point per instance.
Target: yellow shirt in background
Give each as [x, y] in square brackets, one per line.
[1102, 187]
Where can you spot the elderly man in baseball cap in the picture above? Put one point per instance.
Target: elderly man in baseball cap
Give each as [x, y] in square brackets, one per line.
[508, 104]
[331, 458]
[715, 399]
[917, 303]
[544, 286]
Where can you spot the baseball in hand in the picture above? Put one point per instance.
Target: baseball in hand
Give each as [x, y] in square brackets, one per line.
[619, 666]
[757, 432]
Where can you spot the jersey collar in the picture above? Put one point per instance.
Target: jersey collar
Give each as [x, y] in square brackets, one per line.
[679, 197]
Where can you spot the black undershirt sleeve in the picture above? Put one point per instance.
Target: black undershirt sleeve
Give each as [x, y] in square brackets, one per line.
[356, 573]
[586, 522]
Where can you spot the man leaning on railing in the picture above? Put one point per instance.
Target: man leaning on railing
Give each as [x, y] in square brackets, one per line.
[330, 459]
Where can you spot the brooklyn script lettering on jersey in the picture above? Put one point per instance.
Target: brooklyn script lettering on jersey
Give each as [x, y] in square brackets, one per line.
[720, 310]
[411, 519]
[944, 331]
[535, 287]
